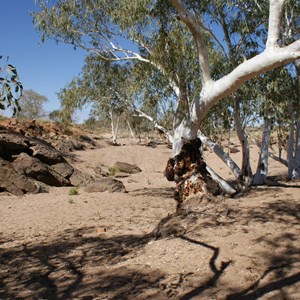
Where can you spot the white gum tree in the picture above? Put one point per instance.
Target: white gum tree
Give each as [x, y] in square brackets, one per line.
[215, 90]
[174, 38]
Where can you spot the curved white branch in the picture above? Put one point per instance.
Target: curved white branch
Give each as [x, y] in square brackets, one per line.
[212, 92]
[224, 185]
[187, 18]
[155, 124]
[222, 155]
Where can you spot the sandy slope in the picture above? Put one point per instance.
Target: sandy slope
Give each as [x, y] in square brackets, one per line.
[97, 245]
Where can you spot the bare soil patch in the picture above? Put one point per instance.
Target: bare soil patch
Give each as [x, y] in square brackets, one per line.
[101, 245]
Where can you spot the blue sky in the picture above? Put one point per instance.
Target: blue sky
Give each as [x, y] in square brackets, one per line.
[43, 67]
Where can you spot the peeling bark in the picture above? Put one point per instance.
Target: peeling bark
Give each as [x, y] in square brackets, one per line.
[191, 174]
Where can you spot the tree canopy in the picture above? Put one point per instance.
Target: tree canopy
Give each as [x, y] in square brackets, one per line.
[212, 55]
[174, 35]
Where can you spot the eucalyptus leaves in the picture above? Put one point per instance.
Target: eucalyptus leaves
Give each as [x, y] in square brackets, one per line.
[10, 87]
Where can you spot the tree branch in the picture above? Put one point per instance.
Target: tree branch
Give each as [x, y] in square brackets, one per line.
[224, 185]
[155, 124]
[212, 92]
[222, 155]
[271, 155]
[143, 115]
[276, 9]
[186, 17]
[209, 31]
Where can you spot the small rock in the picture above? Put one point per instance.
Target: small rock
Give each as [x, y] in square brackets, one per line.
[106, 184]
[127, 168]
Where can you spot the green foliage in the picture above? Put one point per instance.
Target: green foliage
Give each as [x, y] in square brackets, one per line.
[69, 97]
[150, 28]
[74, 191]
[91, 123]
[162, 54]
[112, 171]
[32, 105]
[55, 116]
[10, 87]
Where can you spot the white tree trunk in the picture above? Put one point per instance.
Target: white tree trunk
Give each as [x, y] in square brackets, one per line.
[297, 151]
[294, 148]
[130, 129]
[114, 126]
[272, 155]
[262, 166]
[222, 155]
[290, 145]
[182, 133]
[247, 175]
[279, 138]
[297, 145]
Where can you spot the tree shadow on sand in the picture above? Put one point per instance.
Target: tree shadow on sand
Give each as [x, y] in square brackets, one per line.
[282, 271]
[87, 263]
[212, 264]
[75, 264]
[282, 249]
[165, 193]
[279, 259]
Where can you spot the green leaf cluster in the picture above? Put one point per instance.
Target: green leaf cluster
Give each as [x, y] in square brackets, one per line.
[113, 31]
[10, 87]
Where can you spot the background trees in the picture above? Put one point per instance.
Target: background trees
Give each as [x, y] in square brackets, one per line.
[31, 104]
[204, 52]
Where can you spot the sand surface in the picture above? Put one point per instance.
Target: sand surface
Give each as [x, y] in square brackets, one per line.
[97, 245]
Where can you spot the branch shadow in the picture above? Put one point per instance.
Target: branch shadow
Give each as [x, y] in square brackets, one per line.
[211, 282]
[164, 193]
[74, 264]
[84, 263]
[280, 271]
[281, 254]
[285, 212]
[255, 292]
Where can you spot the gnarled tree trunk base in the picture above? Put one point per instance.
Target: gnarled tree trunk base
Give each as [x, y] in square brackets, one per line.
[189, 171]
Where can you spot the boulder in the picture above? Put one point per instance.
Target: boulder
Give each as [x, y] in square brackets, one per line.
[63, 169]
[106, 184]
[127, 168]
[28, 163]
[99, 171]
[13, 143]
[15, 182]
[79, 178]
[45, 152]
[35, 169]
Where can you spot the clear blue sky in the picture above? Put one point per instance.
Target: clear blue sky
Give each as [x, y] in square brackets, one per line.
[46, 67]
